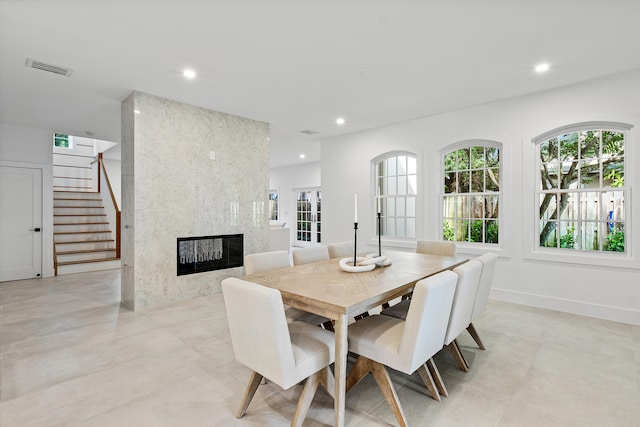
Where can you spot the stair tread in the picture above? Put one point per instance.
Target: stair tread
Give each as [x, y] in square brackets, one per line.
[84, 199]
[71, 191]
[86, 261]
[79, 214]
[86, 251]
[82, 232]
[85, 241]
[78, 207]
[81, 223]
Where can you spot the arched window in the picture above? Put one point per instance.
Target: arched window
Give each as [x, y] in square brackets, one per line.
[396, 189]
[581, 188]
[471, 192]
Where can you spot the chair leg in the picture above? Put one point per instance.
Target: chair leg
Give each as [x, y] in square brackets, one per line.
[308, 391]
[474, 334]
[254, 382]
[359, 370]
[328, 382]
[384, 382]
[455, 351]
[428, 381]
[433, 369]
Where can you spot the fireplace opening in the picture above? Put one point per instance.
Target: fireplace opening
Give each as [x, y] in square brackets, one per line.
[207, 253]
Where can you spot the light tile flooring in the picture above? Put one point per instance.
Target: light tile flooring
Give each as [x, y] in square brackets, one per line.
[71, 356]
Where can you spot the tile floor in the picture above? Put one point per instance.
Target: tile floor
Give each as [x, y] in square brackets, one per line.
[70, 356]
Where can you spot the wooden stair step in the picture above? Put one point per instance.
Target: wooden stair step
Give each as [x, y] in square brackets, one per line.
[80, 232]
[81, 223]
[79, 207]
[79, 214]
[84, 199]
[78, 192]
[85, 251]
[85, 241]
[86, 261]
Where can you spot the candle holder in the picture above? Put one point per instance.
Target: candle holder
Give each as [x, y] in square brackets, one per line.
[355, 244]
[379, 234]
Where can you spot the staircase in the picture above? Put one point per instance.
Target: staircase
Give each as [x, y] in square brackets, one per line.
[83, 240]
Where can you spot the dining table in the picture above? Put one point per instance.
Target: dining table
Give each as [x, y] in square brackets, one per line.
[325, 289]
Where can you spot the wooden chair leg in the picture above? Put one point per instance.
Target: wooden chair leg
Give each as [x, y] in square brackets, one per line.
[428, 381]
[433, 369]
[455, 351]
[384, 382]
[474, 334]
[250, 391]
[308, 391]
[359, 370]
[327, 381]
[464, 359]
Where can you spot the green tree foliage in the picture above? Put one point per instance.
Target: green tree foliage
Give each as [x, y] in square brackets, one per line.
[576, 158]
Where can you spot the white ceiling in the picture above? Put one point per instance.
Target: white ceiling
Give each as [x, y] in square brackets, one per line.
[300, 64]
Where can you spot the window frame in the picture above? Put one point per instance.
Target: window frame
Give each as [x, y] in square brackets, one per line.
[394, 240]
[532, 248]
[469, 143]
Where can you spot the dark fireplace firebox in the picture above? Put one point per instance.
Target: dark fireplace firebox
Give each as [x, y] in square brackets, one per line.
[207, 253]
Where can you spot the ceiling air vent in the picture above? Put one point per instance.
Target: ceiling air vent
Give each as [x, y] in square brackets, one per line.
[39, 65]
[309, 132]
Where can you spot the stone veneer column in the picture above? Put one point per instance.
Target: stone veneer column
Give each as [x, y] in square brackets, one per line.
[171, 189]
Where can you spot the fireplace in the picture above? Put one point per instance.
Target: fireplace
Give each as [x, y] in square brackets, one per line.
[207, 253]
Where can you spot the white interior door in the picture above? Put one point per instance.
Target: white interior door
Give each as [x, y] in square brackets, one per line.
[20, 223]
[308, 217]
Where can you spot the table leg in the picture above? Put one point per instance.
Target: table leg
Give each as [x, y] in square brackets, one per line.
[340, 373]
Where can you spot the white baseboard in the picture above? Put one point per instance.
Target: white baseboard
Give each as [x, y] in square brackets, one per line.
[616, 314]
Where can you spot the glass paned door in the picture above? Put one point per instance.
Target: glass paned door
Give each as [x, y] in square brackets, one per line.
[309, 217]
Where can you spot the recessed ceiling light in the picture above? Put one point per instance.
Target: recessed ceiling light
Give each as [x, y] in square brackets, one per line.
[541, 68]
[189, 74]
[302, 156]
[136, 111]
[340, 121]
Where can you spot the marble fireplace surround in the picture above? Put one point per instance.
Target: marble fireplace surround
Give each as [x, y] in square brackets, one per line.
[186, 171]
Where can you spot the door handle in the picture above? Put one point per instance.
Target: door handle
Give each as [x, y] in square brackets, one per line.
[37, 229]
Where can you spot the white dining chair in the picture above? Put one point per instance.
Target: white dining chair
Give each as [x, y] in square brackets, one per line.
[267, 261]
[436, 247]
[310, 254]
[405, 345]
[285, 353]
[463, 302]
[340, 250]
[466, 289]
[488, 261]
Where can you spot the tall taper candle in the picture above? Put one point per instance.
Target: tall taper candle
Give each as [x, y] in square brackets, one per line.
[378, 201]
[355, 207]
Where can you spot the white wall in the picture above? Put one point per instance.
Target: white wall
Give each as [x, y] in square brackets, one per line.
[286, 180]
[30, 147]
[602, 291]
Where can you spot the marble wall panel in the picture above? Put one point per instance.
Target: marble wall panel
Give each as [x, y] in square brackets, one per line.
[180, 192]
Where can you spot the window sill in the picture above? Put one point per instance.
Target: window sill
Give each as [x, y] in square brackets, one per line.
[611, 260]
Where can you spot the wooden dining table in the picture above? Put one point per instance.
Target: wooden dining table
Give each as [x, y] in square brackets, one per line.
[323, 288]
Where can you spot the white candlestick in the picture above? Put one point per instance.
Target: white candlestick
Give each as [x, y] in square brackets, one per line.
[355, 207]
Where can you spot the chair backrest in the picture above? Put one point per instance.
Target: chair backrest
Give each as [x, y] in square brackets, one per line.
[310, 254]
[427, 319]
[488, 261]
[259, 331]
[436, 247]
[265, 261]
[466, 289]
[339, 250]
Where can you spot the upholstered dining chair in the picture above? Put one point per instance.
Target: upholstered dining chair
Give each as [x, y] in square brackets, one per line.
[267, 261]
[436, 247]
[463, 302]
[488, 261]
[310, 254]
[405, 345]
[340, 250]
[285, 353]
